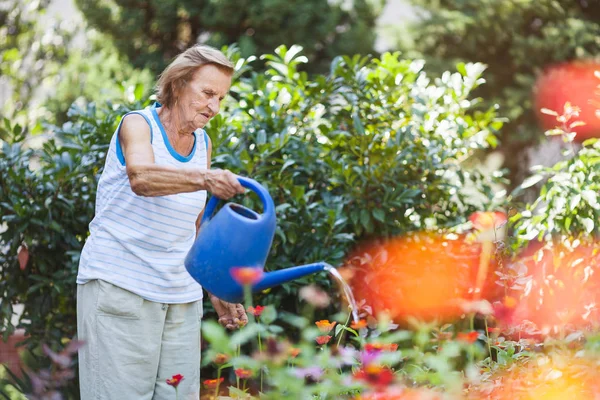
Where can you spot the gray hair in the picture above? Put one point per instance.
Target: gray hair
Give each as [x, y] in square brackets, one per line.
[184, 66]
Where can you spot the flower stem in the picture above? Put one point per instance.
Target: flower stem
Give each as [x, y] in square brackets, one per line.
[343, 330]
[218, 382]
[487, 334]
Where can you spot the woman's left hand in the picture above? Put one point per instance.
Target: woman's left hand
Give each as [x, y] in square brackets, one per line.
[231, 316]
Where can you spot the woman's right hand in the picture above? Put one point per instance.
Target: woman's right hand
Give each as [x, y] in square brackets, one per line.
[222, 183]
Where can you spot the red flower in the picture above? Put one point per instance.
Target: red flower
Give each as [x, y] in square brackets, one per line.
[359, 325]
[325, 326]
[483, 221]
[374, 347]
[243, 373]
[212, 383]
[323, 339]
[175, 380]
[247, 275]
[375, 375]
[256, 311]
[470, 337]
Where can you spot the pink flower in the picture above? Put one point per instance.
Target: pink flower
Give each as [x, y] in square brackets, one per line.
[247, 275]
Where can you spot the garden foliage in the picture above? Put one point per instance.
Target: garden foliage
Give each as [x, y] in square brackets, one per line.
[152, 35]
[517, 40]
[374, 148]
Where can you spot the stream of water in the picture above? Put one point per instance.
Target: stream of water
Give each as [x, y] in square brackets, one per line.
[347, 290]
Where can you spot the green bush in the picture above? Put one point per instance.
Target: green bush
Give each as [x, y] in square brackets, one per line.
[375, 148]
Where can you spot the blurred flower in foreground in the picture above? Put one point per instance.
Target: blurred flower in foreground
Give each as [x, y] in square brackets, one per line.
[244, 373]
[422, 275]
[247, 275]
[394, 392]
[361, 324]
[325, 326]
[312, 373]
[375, 347]
[256, 311]
[470, 337]
[323, 339]
[212, 383]
[563, 287]
[294, 351]
[375, 375]
[557, 377]
[221, 358]
[314, 296]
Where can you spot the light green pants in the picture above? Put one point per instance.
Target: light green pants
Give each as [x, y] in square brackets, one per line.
[132, 346]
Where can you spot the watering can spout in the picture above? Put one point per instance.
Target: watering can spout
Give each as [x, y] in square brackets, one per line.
[274, 278]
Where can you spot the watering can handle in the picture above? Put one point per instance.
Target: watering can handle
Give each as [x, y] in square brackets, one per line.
[263, 195]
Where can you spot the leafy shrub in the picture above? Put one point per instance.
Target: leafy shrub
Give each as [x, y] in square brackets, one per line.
[374, 149]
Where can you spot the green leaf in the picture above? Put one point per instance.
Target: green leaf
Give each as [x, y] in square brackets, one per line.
[245, 334]
[358, 125]
[269, 314]
[530, 181]
[379, 214]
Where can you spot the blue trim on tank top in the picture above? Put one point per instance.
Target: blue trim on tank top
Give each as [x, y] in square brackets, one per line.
[120, 155]
[174, 153]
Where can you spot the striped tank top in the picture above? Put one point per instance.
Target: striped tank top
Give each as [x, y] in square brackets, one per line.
[140, 243]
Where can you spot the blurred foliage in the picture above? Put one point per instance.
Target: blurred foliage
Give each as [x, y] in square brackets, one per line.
[151, 33]
[30, 55]
[567, 208]
[48, 64]
[516, 39]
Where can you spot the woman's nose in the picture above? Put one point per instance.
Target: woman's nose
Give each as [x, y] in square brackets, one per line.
[214, 105]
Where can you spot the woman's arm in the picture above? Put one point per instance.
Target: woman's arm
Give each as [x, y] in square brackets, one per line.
[149, 179]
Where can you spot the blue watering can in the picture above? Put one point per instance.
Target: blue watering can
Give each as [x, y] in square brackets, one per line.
[238, 237]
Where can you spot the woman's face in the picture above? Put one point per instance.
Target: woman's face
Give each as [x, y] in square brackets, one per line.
[200, 98]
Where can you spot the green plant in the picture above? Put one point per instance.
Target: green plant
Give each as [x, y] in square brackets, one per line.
[150, 36]
[516, 39]
[376, 148]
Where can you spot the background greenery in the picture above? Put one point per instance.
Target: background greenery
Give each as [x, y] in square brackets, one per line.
[516, 40]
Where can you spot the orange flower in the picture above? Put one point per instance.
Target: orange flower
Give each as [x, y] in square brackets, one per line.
[510, 302]
[247, 275]
[470, 337]
[221, 358]
[243, 373]
[358, 325]
[212, 383]
[373, 347]
[256, 311]
[485, 220]
[294, 351]
[175, 380]
[325, 326]
[323, 339]
[375, 375]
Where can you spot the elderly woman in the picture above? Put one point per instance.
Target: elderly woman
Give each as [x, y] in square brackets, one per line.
[138, 309]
